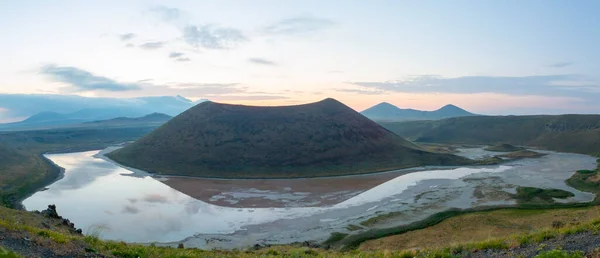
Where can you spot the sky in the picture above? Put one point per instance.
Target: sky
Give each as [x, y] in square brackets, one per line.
[489, 57]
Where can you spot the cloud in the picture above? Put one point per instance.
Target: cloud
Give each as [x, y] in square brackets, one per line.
[261, 61]
[152, 45]
[545, 85]
[335, 71]
[175, 54]
[129, 45]
[297, 25]
[560, 64]
[212, 36]
[179, 57]
[210, 88]
[82, 80]
[362, 91]
[167, 14]
[126, 36]
[248, 97]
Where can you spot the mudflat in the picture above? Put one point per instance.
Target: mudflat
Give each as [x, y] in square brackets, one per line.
[278, 193]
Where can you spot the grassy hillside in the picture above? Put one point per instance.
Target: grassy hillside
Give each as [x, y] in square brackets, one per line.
[23, 170]
[485, 225]
[471, 237]
[325, 138]
[568, 133]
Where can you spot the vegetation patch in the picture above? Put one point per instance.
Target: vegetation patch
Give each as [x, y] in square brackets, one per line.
[504, 147]
[586, 180]
[489, 161]
[521, 155]
[5, 253]
[533, 195]
[353, 227]
[335, 237]
[380, 218]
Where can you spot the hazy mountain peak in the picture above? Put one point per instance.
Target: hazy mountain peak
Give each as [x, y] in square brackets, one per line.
[182, 98]
[385, 111]
[450, 106]
[453, 111]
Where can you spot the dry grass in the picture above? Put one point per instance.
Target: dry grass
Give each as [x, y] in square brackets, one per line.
[481, 226]
[593, 179]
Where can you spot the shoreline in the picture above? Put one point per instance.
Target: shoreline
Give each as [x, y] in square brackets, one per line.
[61, 175]
[51, 178]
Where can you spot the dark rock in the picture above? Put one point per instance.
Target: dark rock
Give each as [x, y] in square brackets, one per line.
[79, 231]
[51, 212]
[180, 246]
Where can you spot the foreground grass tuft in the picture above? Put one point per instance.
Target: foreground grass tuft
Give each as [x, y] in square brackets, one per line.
[560, 254]
[4, 253]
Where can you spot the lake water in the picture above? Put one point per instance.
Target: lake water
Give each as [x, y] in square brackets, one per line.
[97, 194]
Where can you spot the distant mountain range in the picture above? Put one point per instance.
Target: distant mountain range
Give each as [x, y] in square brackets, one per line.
[387, 112]
[85, 118]
[151, 119]
[40, 108]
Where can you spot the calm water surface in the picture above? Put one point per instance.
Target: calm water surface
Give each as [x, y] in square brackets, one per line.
[96, 194]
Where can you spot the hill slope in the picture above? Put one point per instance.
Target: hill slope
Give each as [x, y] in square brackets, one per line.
[387, 112]
[232, 141]
[151, 119]
[570, 133]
